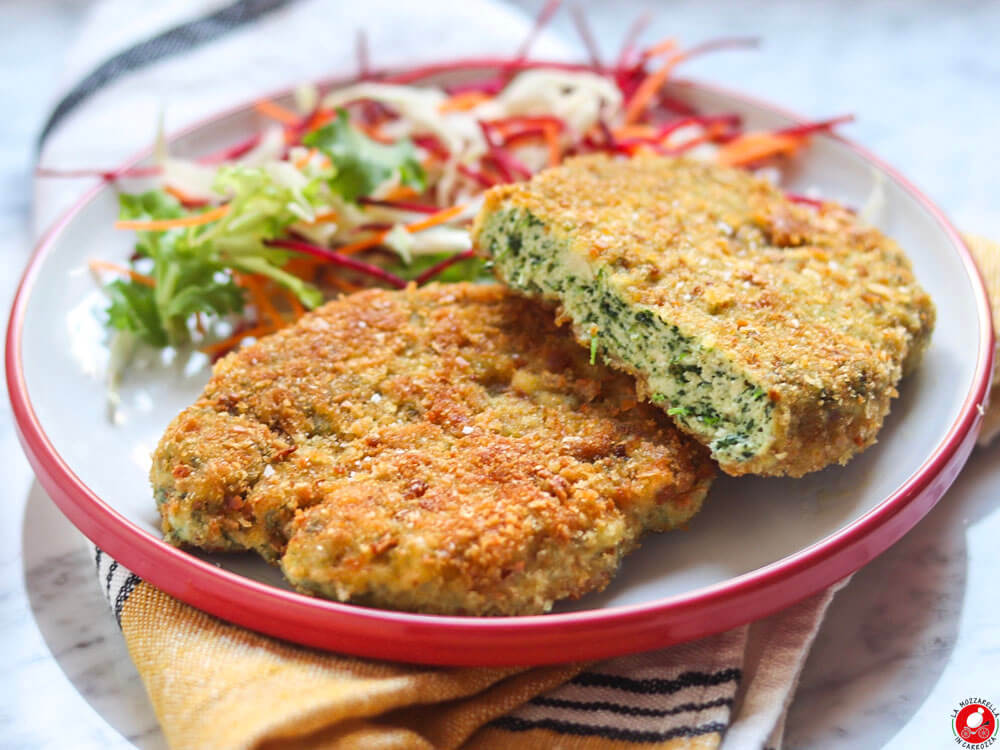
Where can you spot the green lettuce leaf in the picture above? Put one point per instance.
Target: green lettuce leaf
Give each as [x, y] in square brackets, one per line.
[362, 164]
[133, 309]
[192, 265]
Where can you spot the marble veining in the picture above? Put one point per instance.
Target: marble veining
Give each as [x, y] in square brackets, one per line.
[916, 631]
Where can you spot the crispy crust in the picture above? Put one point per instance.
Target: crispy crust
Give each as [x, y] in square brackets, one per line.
[821, 311]
[443, 450]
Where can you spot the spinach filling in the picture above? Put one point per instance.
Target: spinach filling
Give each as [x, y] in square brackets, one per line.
[694, 384]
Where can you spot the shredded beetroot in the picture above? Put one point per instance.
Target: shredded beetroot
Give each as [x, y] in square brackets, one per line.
[432, 145]
[628, 80]
[499, 166]
[373, 112]
[489, 86]
[108, 175]
[519, 129]
[361, 50]
[437, 268]
[482, 63]
[609, 137]
[821, 126]
[495, 84]
[508, 164]
[548, 10]
[631, 69]
[519, 136]
[344, 261]
[804, 200]
[420, 208]
[478, 175]
[587, 37]
[511, 164]
[676, 106]
[232, 152]
[728, 42]
[625, 56]
[607, 142]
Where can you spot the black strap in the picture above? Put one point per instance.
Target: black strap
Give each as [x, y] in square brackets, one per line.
[177, 39]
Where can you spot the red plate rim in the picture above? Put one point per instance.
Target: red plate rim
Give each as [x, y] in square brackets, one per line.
[528, 640]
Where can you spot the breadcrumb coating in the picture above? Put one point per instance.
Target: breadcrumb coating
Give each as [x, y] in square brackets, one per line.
[716, 292]
[445, 449]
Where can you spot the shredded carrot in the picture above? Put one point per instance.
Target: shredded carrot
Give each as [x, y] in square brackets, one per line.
[434, 219]
[162, 225]
[374, 132]
[463, 102]
[641, 149]
[713, 132]
[320, 118]
[139, 278]
[199, 323]
[752, 147]
[304, 159]
[648, 88]
[552, 139]
[325, 218]
[276, 112]
[303, 266]
[185, 198]
[344, 285]
[661, 48]
[431, 221]
[635, 131]
[293, 301]
[258, 295]
[220, 347]
[401, 193]
[357, 247]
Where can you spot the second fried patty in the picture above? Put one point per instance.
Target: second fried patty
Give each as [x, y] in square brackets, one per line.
[773, 332]
[445, 450]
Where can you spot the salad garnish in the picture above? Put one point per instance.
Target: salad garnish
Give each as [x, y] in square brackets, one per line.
[376, 183]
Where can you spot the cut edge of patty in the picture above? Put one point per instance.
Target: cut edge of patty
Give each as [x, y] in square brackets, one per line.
[745, 424]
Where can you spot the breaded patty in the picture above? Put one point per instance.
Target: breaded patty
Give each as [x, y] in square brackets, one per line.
[775, 333]
[445, 449]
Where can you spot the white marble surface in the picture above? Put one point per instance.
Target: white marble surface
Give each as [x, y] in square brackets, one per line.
[916, 630]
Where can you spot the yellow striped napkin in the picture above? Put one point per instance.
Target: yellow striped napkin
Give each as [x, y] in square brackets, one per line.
[217, 686]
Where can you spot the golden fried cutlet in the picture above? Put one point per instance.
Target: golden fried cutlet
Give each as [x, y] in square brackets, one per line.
[774, 333]
[445, 449]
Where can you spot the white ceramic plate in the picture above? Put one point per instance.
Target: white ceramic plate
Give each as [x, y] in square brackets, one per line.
[758, 545]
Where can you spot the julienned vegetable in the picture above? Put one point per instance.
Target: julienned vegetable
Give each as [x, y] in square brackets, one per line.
[376, 184]
[196, 255]
[191, 261]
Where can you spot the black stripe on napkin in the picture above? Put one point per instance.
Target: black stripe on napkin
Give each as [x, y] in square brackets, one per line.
[657, 686]
[624, 710]
[107, 581]
[514, 724]
[123, 594]
[180, 38]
